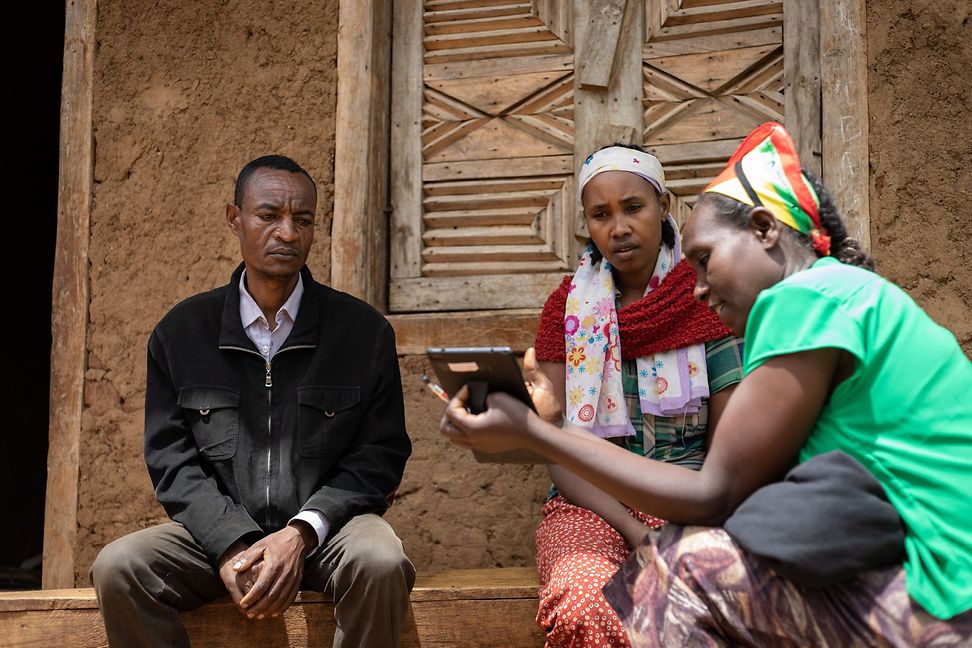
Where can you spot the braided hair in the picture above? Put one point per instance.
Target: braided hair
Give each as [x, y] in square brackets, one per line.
[842, 247]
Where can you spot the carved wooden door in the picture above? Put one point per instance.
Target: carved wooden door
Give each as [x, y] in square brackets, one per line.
[482, 154]
[489, 121]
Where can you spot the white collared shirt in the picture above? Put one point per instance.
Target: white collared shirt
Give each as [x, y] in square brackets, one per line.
[268, 342]
[255, 322]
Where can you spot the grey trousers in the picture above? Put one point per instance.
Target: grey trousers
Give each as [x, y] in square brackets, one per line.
[145, 579]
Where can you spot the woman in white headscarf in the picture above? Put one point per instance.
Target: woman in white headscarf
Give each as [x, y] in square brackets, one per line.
[641, 363]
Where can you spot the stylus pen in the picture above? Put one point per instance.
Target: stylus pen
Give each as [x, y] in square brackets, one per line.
[435, 389]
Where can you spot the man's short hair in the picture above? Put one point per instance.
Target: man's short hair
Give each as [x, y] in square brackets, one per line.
[278, 162]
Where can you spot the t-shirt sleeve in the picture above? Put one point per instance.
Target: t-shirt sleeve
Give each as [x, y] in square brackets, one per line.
[791, 319]
[723, 362]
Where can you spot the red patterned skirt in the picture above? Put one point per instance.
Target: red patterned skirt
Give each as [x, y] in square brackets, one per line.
[577, 553]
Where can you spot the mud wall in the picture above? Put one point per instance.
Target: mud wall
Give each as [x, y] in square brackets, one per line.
[185, 93]
[920, 107]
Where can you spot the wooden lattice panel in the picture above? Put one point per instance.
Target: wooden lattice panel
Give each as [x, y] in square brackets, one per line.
[713, 70]
[483, 225]
[470, 30]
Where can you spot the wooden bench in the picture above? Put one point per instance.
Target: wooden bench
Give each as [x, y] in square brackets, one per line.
[467, 608]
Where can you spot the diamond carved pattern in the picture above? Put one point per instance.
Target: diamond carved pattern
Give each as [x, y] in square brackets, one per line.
[712, 70]
[540, 121]
[500, 114]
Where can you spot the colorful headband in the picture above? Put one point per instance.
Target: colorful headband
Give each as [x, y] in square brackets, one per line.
[620, 158]
[765, 171]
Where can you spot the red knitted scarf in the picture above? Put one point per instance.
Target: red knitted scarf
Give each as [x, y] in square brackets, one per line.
[666, 318]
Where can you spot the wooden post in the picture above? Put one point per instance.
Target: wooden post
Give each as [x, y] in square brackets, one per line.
[69, 318]
[843, 71]
[801, 75]
[603, 115]
[359, 231]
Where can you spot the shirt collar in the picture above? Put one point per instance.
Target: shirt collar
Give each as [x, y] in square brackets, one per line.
[250, 311]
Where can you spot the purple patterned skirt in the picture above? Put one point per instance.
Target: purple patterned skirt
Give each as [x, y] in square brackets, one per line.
[693, 586]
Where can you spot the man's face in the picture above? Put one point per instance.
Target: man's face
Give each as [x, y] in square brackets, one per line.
[275, 223]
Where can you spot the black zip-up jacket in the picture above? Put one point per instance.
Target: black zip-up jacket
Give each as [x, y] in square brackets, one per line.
[237, 446]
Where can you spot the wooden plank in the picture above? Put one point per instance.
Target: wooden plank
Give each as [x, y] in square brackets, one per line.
[476, 169]
[501, 601]
[713, 42]
[513, 328]
[557, 16]
[490, 38]
[406, 141]
[712, 150]
[484, 253]
[509, 92]
[724, 11]
[473, 13]
[602, 35]
[716, 28]
[489, 236]
[527, 183]
[447, 5]
[517, 49]
[480, 218]
[473, 292]
[801, 73]
[69, 314]
[359, 251]
[509, 623]
[703, 119]
[598, 113]
[710, 70]
[843, 72]
[758, 76]
[485, 583]
[495, 67]
[474, 267]
[487, 201]
[492, 23]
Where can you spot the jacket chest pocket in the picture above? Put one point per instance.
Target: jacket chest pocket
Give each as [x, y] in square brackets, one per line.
[327, 419]
[214, 416]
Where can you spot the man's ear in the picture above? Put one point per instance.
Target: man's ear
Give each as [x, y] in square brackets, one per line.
[764, 225]
[233, 218]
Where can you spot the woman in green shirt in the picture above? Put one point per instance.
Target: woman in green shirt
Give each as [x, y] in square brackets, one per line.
[836, 358]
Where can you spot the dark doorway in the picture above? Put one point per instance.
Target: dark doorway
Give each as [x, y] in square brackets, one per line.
[35, 60]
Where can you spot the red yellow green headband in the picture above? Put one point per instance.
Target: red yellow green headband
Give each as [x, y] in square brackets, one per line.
[765, 171]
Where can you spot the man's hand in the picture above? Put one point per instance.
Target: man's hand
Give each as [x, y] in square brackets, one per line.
[235, 582]
[277, 566]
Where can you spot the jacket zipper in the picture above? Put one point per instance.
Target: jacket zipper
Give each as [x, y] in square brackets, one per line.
[268, 383]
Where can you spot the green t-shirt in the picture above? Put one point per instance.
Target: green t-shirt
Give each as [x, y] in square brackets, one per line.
[905, 413]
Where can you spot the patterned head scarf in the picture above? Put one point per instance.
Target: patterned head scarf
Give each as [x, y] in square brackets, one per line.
[622, 158]
[765, 172]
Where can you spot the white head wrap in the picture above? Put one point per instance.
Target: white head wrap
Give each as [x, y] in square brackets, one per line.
[620, 158]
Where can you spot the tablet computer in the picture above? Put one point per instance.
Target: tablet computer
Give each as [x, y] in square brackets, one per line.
[485, 370]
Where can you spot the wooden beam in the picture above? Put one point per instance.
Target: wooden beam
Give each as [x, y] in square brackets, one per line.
[801, 74]
[69, 318]
[843, 72]
[515, 328]
[477, 291]
[601, 40]
[601, 114]
[406, 136]
[502, 602]
[359, 231]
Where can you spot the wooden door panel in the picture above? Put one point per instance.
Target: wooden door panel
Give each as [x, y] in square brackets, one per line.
[482, 225]
[484, 133]
[712, 71]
